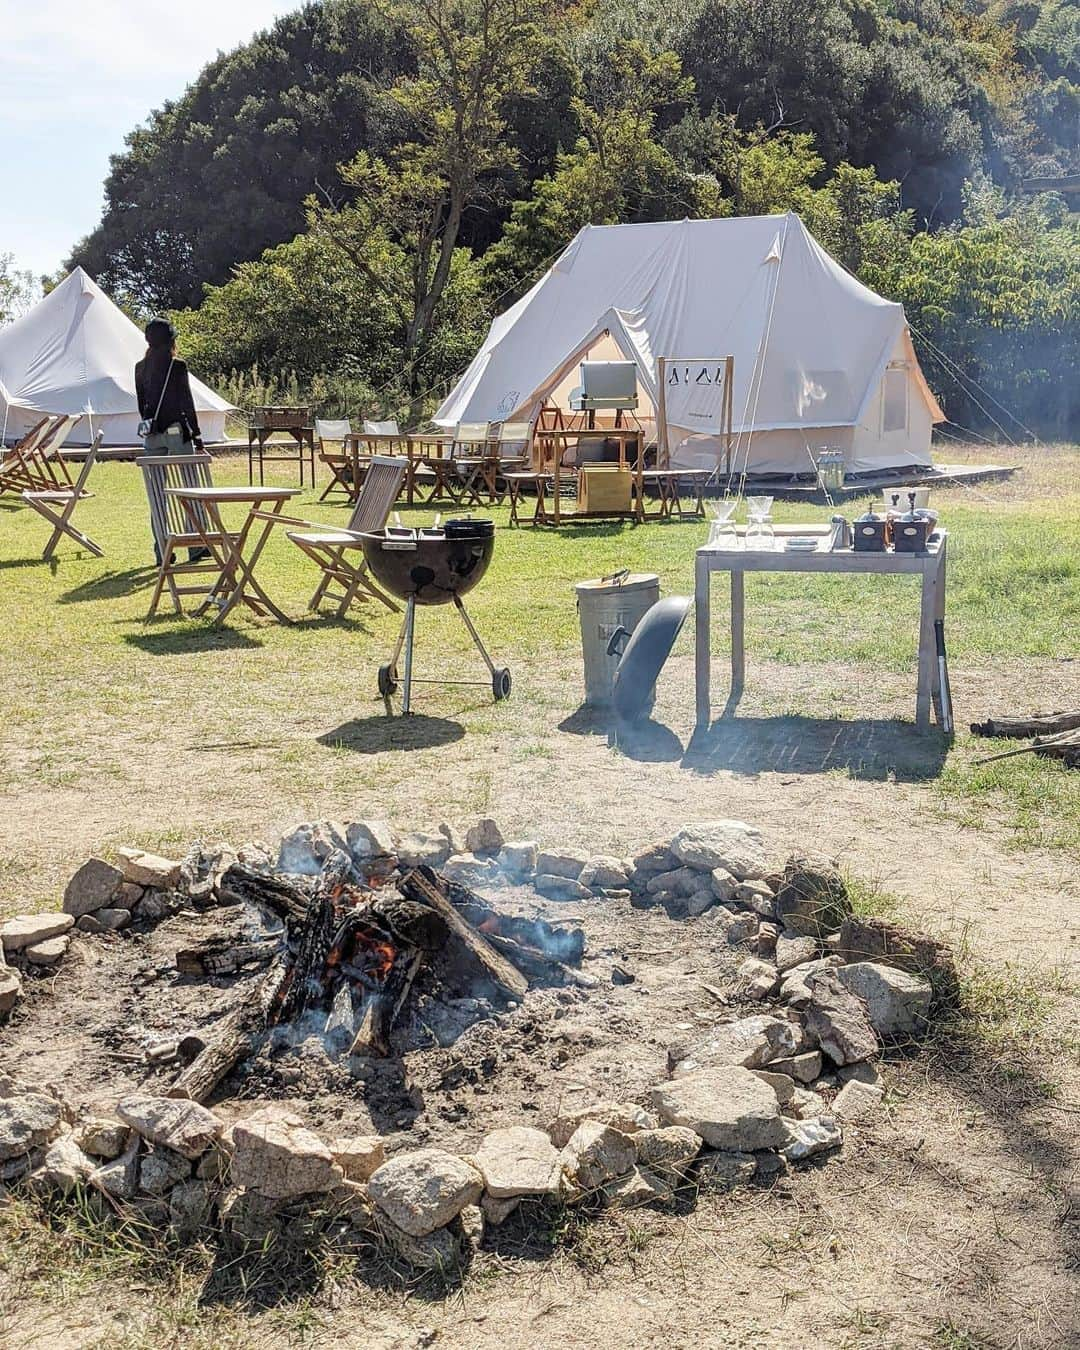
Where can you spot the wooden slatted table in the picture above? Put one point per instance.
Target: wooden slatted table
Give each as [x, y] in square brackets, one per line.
[930, 566]
[236, 580]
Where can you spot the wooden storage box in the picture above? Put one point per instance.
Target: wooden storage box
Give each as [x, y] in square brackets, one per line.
[604, 488]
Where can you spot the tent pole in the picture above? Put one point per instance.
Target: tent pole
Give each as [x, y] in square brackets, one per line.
[664, 458]
[729, 379]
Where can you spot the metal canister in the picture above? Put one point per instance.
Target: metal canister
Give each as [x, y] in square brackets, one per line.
[604, 606]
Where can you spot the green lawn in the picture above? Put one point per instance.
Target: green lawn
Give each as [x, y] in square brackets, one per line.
[83, 676]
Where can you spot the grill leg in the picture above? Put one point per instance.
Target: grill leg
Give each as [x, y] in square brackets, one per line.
[474, 634]
[407, 631]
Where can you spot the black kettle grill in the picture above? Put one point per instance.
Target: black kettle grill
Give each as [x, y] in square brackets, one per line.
[432, 567]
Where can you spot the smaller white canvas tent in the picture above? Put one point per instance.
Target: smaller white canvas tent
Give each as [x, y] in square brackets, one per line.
[819, 359]
[75, 352]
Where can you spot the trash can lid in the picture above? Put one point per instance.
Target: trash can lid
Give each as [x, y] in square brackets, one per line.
[644, 656]
[620, 581]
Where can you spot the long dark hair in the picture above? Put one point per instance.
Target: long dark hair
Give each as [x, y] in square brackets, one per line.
[160, 341]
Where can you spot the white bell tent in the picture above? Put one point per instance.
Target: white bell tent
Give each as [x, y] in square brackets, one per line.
[75, 352]
[819, 359]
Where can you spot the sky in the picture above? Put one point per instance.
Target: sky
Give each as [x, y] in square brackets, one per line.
[78, 75]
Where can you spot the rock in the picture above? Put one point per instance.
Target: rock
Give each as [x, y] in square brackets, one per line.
[595, 1154]
[162, 1168]
[483, 837]
[102, 1138]
[727, 1106]
[751, 1042]
[667, 1152]
[27, 1122]
[120, 1178]
[809, 1137]
[495, 1211]
[48, 953]
[795, 987]
[189, 1206]
[770, 1164]
[148, 869]
[856, 1100]
[627, 1117]
[86, 923]
[864, 1072]
[469, 869]
[699, 902]
[805, 1104]
[767, 936]
[793, 949]
[359, 1156]
[128, 895]
[559, 887]
[304, 850]
[10, 989]
[757, 896]
[518, 1160]
[366, 839]
[517, 858]
[870, 939]
[27, 930]
[423, 1191]
[721, 1171]
[655, 858]
[802, 1068]
[66, 1165]
[173, 1122]
[680, 881]
[604, 873]
[442, 1250]
[564, 863]
[898, 1003]
[839, 1020]
[214, 1163]
[737, 928]
[155, 905]
[114, 918]
[472, 1222]
[723, 885]
[781, 1084]
[812, 898]
[423, 850]
[637, 1188]
[730, 844]
[759, 977]
[277, 1156]
[92, 886]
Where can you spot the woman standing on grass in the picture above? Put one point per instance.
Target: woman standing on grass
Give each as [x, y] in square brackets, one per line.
[170, 424]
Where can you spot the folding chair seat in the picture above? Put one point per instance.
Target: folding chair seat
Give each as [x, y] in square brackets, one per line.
[341, 461]
[339, 553]
[57, 505]
[35, 463]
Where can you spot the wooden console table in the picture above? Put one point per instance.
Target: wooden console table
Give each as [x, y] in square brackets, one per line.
[295, 422]
[738, 561]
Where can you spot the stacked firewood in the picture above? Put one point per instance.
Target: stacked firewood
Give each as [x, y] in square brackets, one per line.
[1056, 736]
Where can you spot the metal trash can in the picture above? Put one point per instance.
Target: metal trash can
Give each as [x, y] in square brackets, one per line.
[605, 605]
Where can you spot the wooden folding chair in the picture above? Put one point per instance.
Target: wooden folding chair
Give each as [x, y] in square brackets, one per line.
[58, 505]
[339, 553]
[35, 463]
[472, 463]
[172, 529]
[334, 451]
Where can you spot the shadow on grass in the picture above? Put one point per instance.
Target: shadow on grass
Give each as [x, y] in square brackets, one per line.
[371, 735]
[874, 749]
[648, 741]
[36, 561]
[111, 586]
[183, 641]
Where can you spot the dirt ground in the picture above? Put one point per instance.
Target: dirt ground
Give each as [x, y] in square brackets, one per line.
[952, 1221]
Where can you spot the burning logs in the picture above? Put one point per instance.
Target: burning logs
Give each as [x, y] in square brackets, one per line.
[347, 956]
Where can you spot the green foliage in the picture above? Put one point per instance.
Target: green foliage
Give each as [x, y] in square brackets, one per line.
[1002, 298]
[18, 289]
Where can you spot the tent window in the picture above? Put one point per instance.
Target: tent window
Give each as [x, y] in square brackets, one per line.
[894, 411]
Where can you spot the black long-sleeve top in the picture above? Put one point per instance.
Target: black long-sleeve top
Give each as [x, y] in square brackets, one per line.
[177, 404]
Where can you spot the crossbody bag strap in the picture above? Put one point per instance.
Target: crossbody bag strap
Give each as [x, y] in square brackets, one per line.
[161, 397]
